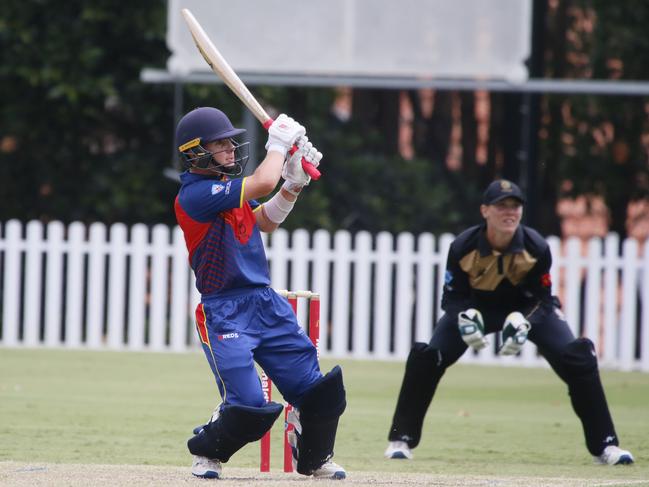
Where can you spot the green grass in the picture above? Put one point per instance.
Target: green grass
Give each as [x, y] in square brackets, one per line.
[140, 408]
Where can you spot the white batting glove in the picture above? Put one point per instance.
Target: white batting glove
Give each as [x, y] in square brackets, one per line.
[471, 327]
[283, 133]
[311, 154]
[293, 172]
[514, 333]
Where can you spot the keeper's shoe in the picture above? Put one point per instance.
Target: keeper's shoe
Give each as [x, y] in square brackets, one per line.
[206, 468]
[330, 470]
[613, 455]
[398, 450]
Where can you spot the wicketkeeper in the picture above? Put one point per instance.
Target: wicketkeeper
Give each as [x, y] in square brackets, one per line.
[497, 279]
[240, 319]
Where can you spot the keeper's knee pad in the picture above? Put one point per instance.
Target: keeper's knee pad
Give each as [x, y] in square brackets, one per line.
[423, 358]
[235, 426]
[316, 422]
[579, 360]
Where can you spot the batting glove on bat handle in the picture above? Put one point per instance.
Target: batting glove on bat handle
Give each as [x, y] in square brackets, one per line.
[308, 168]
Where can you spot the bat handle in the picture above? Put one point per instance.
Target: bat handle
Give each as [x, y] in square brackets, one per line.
[309, 168]
[306, 165]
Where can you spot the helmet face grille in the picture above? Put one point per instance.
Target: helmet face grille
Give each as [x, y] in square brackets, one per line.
[199, 157]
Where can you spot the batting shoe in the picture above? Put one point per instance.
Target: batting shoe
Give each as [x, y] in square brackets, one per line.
[398, 450]
[613, 455]
[206, 468]
[330, 470]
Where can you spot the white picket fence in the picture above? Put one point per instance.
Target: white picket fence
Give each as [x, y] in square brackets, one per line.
[122, 288]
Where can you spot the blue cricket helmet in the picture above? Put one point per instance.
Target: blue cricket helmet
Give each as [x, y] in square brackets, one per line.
[206, 124]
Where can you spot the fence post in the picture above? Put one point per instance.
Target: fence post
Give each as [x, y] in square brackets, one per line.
[611, 282]
[137, 286]
[321, 278]
[341, 293]
[158, 287]
[361, 296]
[445, 242]
[644, 346]
[33, 273]
[54, 284]
[404, 295]
[593, 315]
[180, 309]
[382, 295]
[572, 283]
[96, 285]
[75, 284]
[425, 298]
[11, 293]
[116, 285]
[629, 295]
[300, 256]
[278, 255]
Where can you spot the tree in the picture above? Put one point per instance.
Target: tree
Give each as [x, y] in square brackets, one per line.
[596, 142]
[83, 138]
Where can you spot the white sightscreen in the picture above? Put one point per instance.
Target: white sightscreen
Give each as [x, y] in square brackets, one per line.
[395, 38]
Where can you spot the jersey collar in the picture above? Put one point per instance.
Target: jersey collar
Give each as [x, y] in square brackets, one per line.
[515, 246]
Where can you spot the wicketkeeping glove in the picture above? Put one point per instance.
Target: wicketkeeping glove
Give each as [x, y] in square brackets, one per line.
[283, 133]
[471, 327]
[292, 172]
[514, 333]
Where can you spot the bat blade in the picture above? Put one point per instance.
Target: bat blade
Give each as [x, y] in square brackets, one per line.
[221, 67]
[224, 71]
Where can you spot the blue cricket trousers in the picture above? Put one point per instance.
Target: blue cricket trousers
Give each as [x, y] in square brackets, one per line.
[243, 326]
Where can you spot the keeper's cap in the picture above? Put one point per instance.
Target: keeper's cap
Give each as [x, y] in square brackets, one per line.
[501, 189]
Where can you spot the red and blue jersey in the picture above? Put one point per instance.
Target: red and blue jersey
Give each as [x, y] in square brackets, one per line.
[223, 240]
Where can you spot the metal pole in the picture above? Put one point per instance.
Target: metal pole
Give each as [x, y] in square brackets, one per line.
[178, 112]
[530, 115]
[252, 128]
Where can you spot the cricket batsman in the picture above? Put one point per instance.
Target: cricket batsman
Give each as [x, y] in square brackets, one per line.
[240, 319]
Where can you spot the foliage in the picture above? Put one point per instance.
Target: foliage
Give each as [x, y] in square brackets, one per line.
[597, 142]
[375, 194]
[365, 188]
[82, 137]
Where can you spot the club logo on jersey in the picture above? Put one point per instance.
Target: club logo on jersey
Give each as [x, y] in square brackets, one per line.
[228, 336]
[448, 277]
[242, 222]
[217, 188]
[546, 280]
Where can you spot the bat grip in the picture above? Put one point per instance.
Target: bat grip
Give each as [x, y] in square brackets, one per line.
[306, 165]
[309, 168]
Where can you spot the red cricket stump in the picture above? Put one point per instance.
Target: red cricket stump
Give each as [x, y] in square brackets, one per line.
[313, 300]
[266, 387]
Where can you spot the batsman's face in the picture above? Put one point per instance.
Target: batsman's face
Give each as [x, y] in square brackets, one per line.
[503, 216]
[222, 150]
